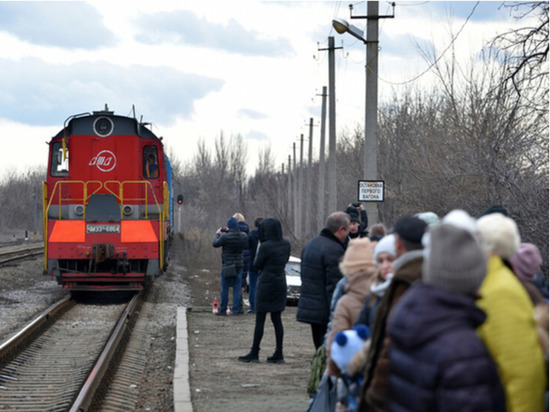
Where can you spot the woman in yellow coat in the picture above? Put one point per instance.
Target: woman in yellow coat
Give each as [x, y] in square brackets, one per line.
[510, 331]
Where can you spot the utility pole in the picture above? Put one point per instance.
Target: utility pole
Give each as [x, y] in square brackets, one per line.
[301, 189]
[331, 127]
[309, 183]
[321, 194]
[371, 105]
[295, 212]
[289, 195]
[370, 169]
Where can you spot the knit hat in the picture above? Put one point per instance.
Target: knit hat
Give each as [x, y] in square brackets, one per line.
[232, 223]
[386, 244]
[346, 344]
[410, 228]
[453, 259]
[500, 235]
[358, 257]
[353, 214]
[526, 261]
[493, 209]
[430, 218]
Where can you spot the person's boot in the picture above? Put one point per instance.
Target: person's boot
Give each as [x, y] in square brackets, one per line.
[252, 356]
[277, 356]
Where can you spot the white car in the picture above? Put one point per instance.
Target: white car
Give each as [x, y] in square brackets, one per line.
[293, 280]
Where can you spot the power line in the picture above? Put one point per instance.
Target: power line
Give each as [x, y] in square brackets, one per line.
[440, 56]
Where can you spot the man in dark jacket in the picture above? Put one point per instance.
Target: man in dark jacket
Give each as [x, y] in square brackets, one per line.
[437, 360]
[233, 242]
[320, 274]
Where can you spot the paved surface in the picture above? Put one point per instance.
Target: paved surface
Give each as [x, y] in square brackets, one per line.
[208, 377]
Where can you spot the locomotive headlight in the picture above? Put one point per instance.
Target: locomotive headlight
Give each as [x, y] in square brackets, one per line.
[127, 210]
[103, 126]
[79, 210]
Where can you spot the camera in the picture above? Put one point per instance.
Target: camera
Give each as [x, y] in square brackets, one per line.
[356, 204]
[224, 229]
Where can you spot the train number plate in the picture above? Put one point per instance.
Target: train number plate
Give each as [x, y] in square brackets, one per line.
[102, 228]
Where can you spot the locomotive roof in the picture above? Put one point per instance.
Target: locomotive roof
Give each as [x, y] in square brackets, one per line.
[85, 124]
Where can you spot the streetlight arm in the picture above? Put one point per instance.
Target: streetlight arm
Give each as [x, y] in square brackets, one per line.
[342, 26]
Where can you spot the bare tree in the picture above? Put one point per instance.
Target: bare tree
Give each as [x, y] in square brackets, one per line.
[525, 52]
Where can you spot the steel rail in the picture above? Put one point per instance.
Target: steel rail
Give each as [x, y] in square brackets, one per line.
[11, 343]
[87, 392]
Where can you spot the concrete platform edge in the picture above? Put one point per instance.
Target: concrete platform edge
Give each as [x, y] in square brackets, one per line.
[182, 392]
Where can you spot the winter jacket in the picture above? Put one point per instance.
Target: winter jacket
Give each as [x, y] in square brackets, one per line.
[510, 334]
[319, 276]
[407, 269]
[252, 248]
[437, 360]
[243, 227]
[356, 290]
[232, 243]
[270, 262]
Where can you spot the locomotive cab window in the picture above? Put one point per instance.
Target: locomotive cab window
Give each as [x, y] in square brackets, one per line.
[150, 162]
[59, 165]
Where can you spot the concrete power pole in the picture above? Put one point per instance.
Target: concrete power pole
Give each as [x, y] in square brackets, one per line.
[321, 194]
[332, 129]
[301, 190]
[289, 188]
[371, 105]
[295, 187]
[309, 182]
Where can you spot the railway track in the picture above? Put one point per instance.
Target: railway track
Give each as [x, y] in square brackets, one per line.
[16, 252]
[60, 361]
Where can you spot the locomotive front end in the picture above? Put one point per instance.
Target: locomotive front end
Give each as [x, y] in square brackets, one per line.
[105, 205]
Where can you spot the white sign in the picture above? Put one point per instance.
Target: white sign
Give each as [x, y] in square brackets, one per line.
[370, 191]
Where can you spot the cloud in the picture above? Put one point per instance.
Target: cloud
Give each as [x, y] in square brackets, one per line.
[253, 114]
[257, 135]
[482, 10]
[39, 93]
[405, 46]
[185, 27]
[70, 25]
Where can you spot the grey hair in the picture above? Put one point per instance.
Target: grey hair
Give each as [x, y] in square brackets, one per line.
[337, 219]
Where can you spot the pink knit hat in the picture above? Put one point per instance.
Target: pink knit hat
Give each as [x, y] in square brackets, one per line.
[526, 261]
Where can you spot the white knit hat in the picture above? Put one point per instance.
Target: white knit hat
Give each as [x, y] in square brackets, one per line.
[346, 344]
[386, 244]
[500, 235]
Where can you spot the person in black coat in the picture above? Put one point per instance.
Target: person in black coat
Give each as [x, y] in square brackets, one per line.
[233, 242]
[252, 274]
[437, 360]
[320, 274]
[270, 262]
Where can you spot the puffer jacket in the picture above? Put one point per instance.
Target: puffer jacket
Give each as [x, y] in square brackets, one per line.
[319, 276]
[510, 334]
[232, 243]
[437, 360]
[270, 262]
[243, 227]
[348, 307]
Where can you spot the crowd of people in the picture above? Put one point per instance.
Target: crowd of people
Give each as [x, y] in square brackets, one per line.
[433, 314]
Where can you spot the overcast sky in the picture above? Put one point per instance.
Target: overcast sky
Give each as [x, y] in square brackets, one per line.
[197, 68]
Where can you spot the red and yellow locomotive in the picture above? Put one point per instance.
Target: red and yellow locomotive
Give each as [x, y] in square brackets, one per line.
[106, 204]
